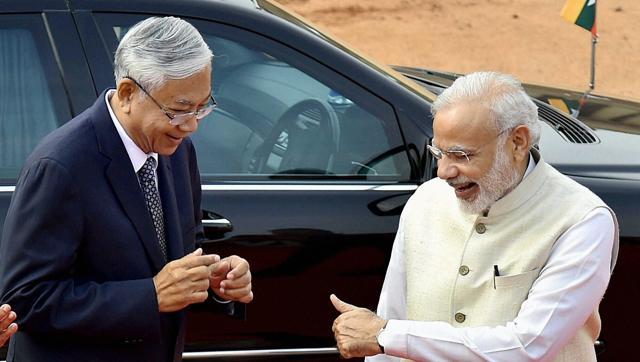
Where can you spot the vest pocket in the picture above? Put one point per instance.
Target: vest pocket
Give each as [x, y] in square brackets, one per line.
[517, 280]
[509, 293]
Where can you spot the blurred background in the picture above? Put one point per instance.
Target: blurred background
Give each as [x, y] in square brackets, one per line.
[527, 38]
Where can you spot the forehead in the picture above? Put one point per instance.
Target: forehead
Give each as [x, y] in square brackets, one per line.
[188, 91]
[464, 124]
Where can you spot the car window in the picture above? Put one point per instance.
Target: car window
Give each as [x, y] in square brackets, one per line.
[32, 102]
[282, 115]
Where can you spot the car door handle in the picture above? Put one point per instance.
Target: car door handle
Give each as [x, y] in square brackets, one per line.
[217, 225]
[214, 229]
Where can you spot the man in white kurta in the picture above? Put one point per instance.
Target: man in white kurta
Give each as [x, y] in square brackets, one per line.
[500, 258]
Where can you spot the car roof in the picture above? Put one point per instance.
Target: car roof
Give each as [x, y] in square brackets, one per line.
[190, 8]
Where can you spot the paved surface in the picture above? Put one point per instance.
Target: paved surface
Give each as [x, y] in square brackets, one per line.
[527, 38]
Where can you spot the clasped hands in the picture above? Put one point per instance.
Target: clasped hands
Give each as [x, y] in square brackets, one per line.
[187, 280]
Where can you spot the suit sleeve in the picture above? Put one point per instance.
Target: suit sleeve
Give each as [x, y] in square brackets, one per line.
[39, 275]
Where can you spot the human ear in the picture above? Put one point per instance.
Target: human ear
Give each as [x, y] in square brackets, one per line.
[125, 92]
[521, 142]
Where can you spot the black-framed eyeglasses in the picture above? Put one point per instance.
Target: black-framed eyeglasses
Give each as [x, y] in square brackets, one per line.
[459, 156]
[180, 118]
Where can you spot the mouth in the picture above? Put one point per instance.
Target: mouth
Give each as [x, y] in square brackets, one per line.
[174, 139]
[465, 190]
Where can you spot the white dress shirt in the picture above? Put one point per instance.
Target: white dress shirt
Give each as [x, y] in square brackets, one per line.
[137, 156]
[567, 291]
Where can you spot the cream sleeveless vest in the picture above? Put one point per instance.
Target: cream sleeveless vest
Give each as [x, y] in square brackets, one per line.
[450, 255]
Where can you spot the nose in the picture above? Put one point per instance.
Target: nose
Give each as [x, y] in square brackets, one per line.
[447, 169]
[191, 125]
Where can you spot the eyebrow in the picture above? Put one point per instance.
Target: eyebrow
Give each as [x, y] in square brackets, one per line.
[452, 148]
[188, 102]
[458, 148]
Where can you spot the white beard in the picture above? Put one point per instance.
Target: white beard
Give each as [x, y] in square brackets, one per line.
[499, 181]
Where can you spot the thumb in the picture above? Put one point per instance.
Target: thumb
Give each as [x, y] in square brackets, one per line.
[220, 268]
[341, 306]
[196, 252]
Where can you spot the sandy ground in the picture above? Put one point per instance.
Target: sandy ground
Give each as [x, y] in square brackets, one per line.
[527, 38]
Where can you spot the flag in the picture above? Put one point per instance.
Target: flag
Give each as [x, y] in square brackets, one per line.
[570, 107]
[581, 13]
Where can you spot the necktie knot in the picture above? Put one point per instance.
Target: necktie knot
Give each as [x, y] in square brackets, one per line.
[148, 168]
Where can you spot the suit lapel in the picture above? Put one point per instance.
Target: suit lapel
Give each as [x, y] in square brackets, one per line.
[124, 181]
[170, 209]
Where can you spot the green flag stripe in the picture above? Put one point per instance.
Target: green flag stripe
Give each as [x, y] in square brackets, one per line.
[587, 17]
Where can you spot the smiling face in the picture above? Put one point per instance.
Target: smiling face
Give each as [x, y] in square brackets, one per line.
[147, 125]
[492, 170]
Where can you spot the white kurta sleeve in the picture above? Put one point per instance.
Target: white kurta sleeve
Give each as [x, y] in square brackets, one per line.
[393, 301]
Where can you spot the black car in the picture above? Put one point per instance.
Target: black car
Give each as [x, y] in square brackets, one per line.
[305, 166]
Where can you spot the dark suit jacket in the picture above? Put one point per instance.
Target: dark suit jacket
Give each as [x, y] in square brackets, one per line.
[79, 250]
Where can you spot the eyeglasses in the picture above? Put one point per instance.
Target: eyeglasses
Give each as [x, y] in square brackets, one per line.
[181, 118]
[459, 156]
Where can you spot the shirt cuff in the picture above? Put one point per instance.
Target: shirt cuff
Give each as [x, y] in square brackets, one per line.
[218, 300]
[394, 338]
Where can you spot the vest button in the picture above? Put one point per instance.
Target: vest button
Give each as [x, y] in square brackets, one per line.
[460, 317]
[481, 228]
[463, 270]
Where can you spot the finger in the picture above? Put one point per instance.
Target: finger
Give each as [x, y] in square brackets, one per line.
[246, 299]
[192, 261]
[5, 309]
[7, 320]
[199, 285]
[238, 266]
[240, 282]
[341, 306]
[220, 269]
[343, 350]
[199, 273]
[5, 335]
[197, 297]
[238, 293]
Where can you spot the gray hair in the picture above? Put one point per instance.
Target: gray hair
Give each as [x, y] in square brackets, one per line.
[159, 49]
[502, 94]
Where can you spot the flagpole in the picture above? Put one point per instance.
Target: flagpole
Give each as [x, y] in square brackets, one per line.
[583, 14]
[594, 41]
[592, 80]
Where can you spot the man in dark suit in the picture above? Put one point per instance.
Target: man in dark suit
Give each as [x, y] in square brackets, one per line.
[97, 256]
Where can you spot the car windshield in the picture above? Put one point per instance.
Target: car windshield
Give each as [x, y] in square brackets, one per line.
[289, 15]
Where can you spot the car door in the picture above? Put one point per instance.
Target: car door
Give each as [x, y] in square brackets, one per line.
[304, 173]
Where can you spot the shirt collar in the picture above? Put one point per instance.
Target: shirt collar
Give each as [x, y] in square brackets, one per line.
[528, 186]
[137, 156]
[530, 166]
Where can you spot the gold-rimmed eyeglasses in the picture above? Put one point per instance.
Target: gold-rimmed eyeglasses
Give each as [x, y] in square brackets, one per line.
[176, 119]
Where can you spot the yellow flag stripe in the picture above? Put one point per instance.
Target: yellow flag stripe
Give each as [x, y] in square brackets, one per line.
[572, 9]
[560, 104]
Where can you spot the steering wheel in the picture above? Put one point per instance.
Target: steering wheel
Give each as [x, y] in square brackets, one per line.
[303, 140]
